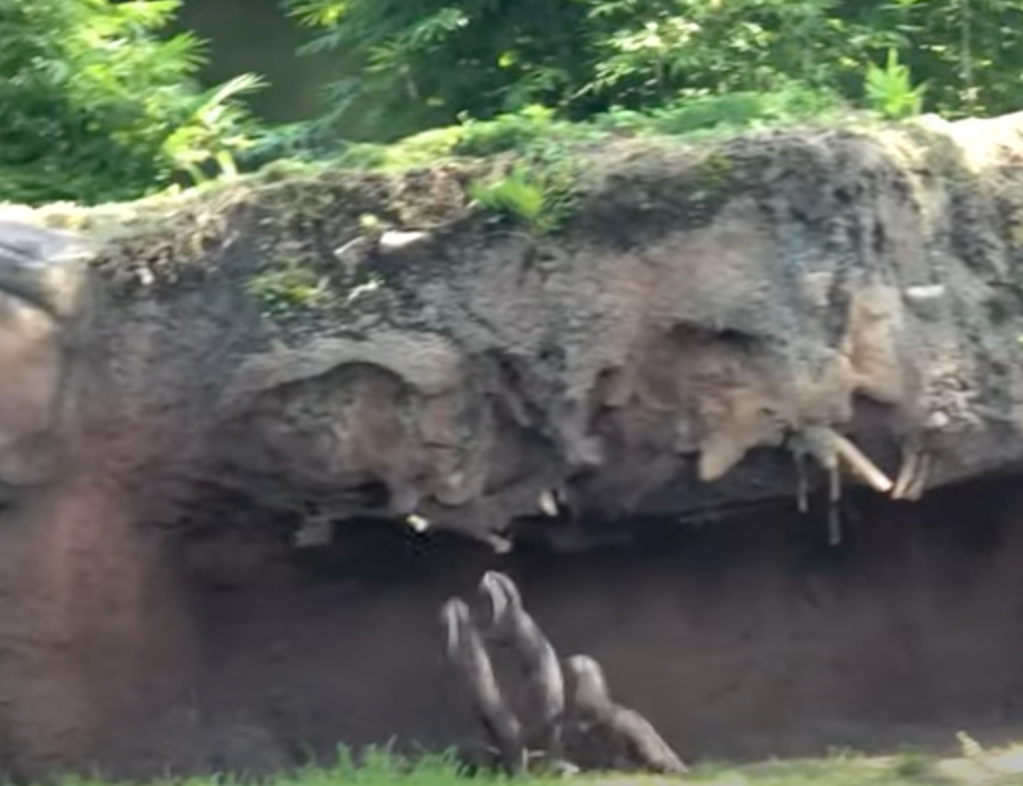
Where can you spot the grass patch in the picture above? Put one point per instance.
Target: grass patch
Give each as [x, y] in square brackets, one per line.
[379, 766]
[541, 189]
[536, 130]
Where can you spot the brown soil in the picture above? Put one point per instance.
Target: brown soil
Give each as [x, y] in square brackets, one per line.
[745, 639]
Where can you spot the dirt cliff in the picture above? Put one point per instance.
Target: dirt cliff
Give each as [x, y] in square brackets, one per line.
[771, 318]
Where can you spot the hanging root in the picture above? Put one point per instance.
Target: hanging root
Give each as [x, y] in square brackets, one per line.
[860, 464]
[832, 450]
[802, 485]
[919, 486]
[913, 474]
[834, 506]
[499, 544]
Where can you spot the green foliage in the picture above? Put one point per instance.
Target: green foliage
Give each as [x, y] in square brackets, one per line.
[890, 90]
[652, 52]
[212, 132]
[521, 130]
[542, 189]
[516, 193]
[704, 113]
[405, 67]
[969, 52]
[292, 286]
[99, 103]
[526, 132]
[409, 66]
[430, 62]
[95, 105]
[543, 194]
[536, 134]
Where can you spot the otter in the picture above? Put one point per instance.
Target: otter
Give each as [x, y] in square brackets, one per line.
[511, 623]
[464, 649]
[629, 730]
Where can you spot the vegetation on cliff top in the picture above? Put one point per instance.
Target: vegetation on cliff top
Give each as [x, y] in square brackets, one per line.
[403, 67]
[101, 104]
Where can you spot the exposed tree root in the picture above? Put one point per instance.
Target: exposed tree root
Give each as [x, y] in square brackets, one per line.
[858, 462]
[834, 509]
[832, 451]
[913, 474]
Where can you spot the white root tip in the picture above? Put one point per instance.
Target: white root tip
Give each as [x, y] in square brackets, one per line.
[500, 545]
[861, 465]
[417, 522]
[907, 473]
[548, 504]
[916, 489]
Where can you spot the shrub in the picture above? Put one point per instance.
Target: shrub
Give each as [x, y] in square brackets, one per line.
[96, 106]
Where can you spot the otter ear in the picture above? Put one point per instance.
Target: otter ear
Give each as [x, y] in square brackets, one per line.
[450, 618]
[511, 591]
[582, 666]
[494, 589]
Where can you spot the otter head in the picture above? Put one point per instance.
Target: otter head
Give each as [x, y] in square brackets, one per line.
[454, 616]
[503, 594]
[591, 692]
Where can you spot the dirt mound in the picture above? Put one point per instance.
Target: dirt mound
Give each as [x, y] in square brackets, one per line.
[203, 389]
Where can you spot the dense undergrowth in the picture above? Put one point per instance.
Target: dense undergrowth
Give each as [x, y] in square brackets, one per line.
[402, 67]
[536, 128]
[545, 150]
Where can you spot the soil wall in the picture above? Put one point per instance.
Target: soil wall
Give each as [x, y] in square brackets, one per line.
[745, 639]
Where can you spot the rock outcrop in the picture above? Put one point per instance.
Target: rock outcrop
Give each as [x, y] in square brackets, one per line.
[343, 345]
[714, 327]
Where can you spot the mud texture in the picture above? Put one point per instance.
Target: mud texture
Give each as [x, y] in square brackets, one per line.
[197, 390]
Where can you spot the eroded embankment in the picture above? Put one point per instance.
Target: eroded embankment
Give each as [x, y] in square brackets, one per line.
[713, 326]
[281, 359]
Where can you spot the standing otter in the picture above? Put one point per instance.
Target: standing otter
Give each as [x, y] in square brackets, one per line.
[512, 623]
[633, 733]
[465, 650]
